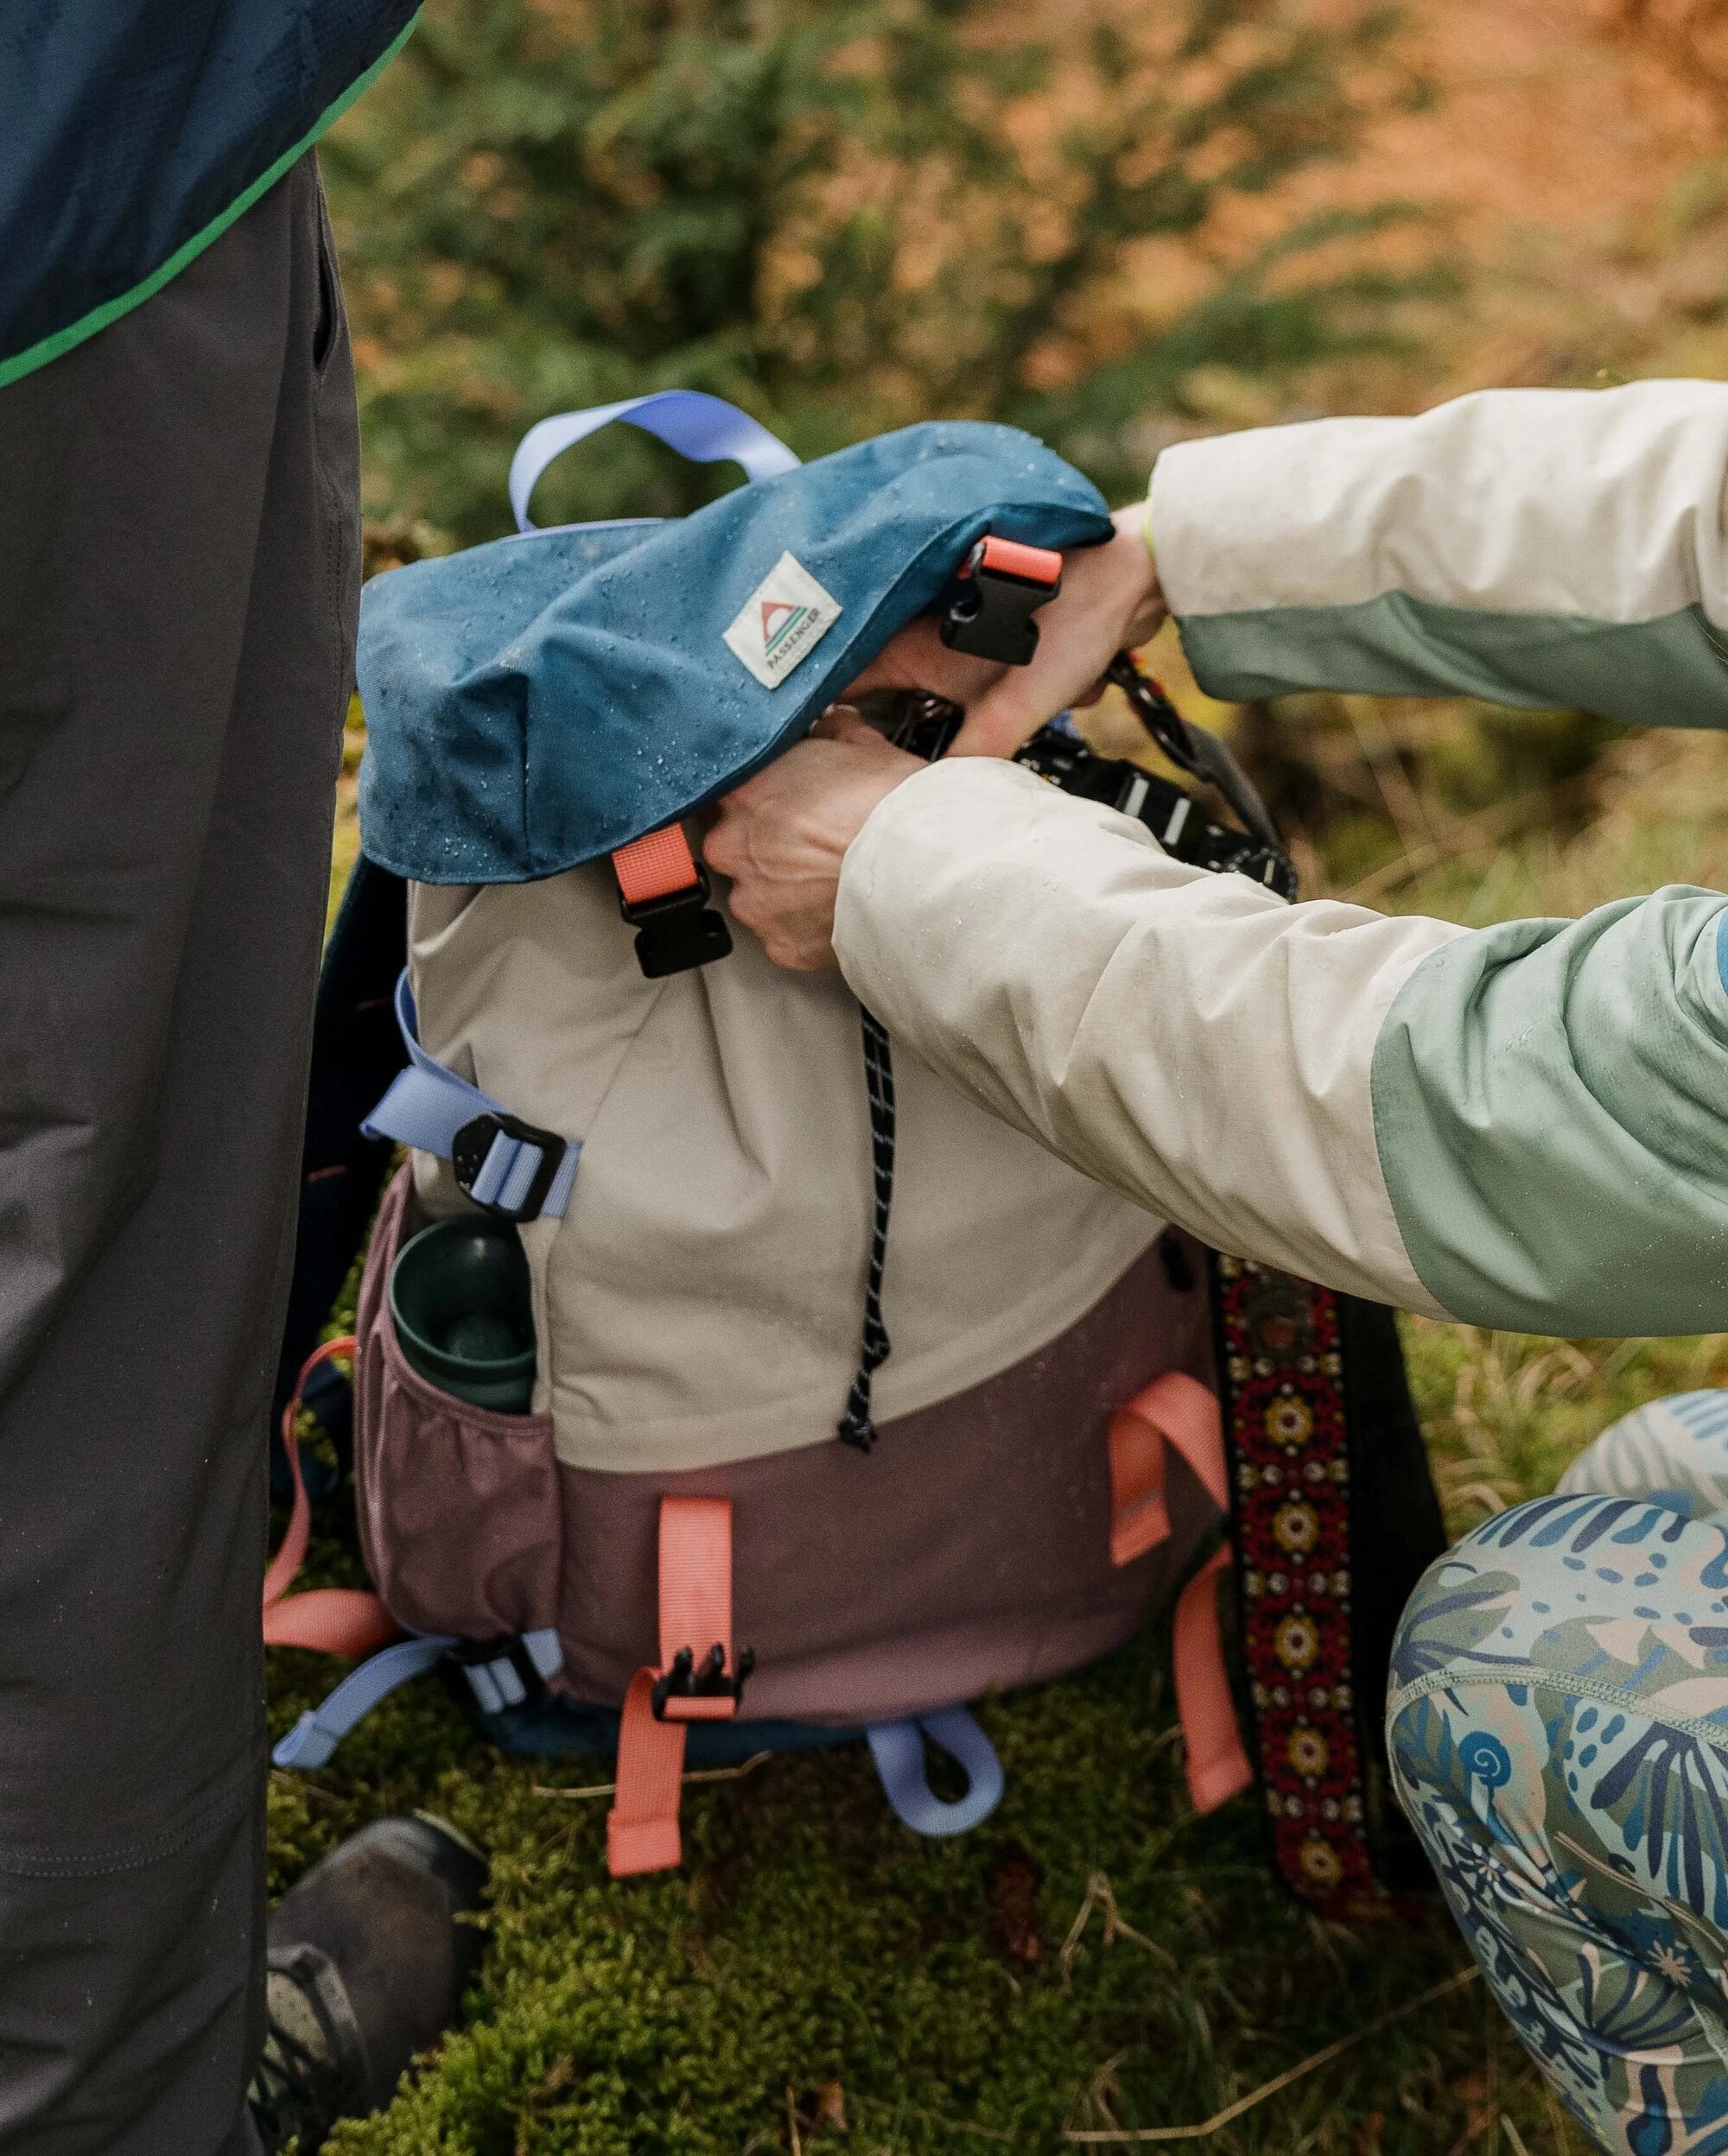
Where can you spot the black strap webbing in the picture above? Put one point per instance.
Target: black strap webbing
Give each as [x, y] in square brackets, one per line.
[356, 1051]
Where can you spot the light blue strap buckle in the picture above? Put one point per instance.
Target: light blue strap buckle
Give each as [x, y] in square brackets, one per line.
[520, 1665]
[510, 1167]
[897, 1750]
[704, 428]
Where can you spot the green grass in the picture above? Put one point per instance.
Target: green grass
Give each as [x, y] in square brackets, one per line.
[1094, 1957]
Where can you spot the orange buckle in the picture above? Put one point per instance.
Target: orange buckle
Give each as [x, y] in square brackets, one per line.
[663, 892]
[987, 607]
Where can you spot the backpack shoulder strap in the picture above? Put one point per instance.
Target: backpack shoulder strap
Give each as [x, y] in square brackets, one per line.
[356, 1052]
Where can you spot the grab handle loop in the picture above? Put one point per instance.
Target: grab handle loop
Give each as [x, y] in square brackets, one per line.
[704, 428]
[897, 1750]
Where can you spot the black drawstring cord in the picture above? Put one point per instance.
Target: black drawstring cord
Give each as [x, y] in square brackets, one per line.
[855, 1427]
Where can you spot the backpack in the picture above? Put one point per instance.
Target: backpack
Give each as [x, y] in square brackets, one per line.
[851, 1406]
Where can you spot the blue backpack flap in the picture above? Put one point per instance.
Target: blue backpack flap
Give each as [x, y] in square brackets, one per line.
[548, 699]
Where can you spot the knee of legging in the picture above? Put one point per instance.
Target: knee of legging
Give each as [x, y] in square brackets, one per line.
[1674, 1449]
[1483, 1606]
[1561, 1595]
[1449, 1609]
[1455, 1732]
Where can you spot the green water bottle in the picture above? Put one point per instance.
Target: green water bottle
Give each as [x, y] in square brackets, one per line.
[461, 1300]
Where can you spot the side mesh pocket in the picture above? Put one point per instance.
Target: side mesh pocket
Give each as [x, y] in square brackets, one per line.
[460, 1507]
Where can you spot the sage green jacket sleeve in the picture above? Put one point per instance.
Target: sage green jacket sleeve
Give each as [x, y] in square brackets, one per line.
[1535, 546]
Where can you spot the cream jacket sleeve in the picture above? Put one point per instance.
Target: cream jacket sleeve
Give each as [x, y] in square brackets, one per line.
[1525, 1126]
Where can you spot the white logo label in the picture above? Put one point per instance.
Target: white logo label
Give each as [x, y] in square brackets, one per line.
[785, 618]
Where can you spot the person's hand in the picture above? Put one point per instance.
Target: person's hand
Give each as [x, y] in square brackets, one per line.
[781, 838]
[916, 658]
[1109, 602]
[782, 835]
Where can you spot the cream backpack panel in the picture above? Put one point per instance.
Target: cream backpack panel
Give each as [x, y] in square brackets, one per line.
[700, 1301]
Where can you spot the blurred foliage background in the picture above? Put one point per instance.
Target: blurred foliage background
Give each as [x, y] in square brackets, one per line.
[844, 214]
[1118, 223]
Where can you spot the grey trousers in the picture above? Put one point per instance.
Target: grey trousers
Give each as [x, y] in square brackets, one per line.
[178, 587]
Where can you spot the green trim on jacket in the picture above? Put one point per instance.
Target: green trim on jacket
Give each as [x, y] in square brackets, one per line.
[1671, 670]
[64, 340]
[1551, 1116]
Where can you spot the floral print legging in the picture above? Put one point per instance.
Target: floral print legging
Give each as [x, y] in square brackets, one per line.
[1559, 1730]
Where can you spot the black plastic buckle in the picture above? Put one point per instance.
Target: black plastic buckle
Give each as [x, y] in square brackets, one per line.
[684, 1681]
[989, 604]
[471, 1144]
[678, 930]
[915, 720]
[470, 1654]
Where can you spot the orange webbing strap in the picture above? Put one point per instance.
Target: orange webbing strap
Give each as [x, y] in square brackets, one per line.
[1174, 1408]
[695, 1595]
[1178, 1409]
[1012, 557]
[332, 1619]
[655, 866]
[642, 1826]
[1216, 1765]
[696, 1613]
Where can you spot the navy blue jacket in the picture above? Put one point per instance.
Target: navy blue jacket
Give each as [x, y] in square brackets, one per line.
[133, 132]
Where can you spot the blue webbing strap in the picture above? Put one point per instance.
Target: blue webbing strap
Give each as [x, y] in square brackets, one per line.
[704, 428]
[496, 1685]
[427, 1105]
[897, 1750]
[321, 1728]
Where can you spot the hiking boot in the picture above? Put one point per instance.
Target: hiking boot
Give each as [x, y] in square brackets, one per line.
[366, 1962]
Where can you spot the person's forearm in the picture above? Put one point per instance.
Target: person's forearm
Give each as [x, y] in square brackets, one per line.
[1536, 546]
[1521, 1126]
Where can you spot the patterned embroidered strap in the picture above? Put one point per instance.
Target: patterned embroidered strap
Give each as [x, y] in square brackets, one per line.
[1286, 1429]
[855, 1427]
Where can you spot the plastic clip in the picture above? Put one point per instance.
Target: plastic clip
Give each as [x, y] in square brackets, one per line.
[474, 1146]
[989, 604]
[677, 931]
[684, 1681]
[663, 892]
[508, 1671]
